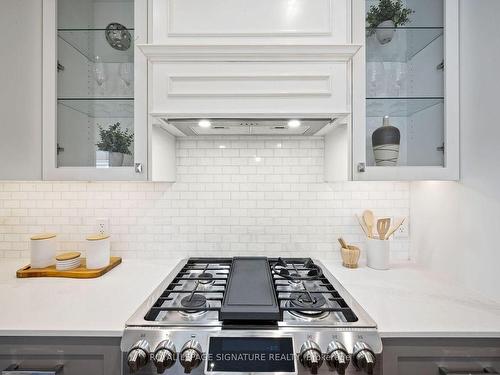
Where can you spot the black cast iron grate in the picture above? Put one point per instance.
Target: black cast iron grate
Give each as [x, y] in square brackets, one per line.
[220, 268]
[310, 282]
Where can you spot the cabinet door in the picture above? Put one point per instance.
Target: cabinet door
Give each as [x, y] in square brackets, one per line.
[408, 75]
[94, 90]
[241, 21]
[20, 93]
[77, 355]
[426, 356]
[245, 89]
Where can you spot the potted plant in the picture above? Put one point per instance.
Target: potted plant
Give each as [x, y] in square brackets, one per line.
[116, 142]
[382, 19]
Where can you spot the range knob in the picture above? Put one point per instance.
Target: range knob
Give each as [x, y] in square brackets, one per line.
[337, 357]
[164, 356]
[138, 356]
[363, 357]
[190, 355]
[310, 356]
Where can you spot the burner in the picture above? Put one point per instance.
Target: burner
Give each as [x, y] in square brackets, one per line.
[207, 278]
[302, 300]
[293, 280]
[196, 301]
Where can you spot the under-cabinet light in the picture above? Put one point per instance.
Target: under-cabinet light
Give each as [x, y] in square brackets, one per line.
[204, 124]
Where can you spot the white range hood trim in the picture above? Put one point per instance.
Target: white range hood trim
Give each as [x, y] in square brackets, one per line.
[239, 115]
[335, 120]
[249, 52]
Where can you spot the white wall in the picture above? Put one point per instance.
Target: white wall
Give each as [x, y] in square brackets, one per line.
[455, 226]
[21, 89]
[257, 195]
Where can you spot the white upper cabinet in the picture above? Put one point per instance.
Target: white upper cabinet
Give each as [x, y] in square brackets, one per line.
[259, 59]
[224, 21]
[94, 90]
[410, 75]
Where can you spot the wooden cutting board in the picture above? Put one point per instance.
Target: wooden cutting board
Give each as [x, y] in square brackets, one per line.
[78, 273]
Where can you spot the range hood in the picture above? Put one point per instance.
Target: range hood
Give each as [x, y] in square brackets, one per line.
[247, 126]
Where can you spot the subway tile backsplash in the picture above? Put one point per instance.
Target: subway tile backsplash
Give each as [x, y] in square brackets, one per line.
[234, 196]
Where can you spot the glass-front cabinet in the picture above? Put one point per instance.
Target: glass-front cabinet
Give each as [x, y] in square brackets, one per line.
[95, 113]
[405, 85]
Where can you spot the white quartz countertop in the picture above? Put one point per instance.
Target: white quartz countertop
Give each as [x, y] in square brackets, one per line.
[405, 301]
[50, 306]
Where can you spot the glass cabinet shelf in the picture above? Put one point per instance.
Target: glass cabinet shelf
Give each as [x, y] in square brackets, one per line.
[101, 108]
[406, 43]
[399, 107]
[92, 43]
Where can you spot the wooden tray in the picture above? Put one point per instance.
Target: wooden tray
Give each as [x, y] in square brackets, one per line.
[77, 273]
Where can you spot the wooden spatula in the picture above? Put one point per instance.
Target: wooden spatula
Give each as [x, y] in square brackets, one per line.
[394, 227]
[383, 226]
[369, 220]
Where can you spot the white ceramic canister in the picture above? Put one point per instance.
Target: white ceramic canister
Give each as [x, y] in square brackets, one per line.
[378, 253]
[43, 250]
[98, 251]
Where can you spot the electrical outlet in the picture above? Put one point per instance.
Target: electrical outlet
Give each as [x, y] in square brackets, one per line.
[102, 225]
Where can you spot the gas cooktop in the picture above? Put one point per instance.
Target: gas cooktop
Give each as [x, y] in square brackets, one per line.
[211, 307]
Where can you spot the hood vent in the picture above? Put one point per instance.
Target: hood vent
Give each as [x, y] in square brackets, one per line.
[234, 126]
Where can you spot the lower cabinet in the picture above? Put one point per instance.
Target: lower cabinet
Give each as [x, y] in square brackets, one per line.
[77, 355]
[440, 356]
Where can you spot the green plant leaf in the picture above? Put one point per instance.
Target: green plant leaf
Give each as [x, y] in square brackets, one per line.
[114, 139]
[387, 10]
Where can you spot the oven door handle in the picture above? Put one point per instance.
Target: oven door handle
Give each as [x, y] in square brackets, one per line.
[486, 370]
[16, 370]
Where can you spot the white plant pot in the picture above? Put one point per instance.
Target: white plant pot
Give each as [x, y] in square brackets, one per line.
[385, 32]
[115, 159]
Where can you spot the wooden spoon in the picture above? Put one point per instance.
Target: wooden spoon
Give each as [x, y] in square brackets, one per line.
[383, 226]
[343, 243]
[362, 225]
[369, 220]
[394, 228]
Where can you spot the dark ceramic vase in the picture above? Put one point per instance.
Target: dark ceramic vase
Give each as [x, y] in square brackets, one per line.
[385, 143]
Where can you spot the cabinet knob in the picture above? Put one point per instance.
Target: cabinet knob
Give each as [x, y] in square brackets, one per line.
[138, 167]
[361, 167]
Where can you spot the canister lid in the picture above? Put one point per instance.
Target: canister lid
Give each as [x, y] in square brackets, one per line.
[68, 256]
[97, 237]
[42, 236]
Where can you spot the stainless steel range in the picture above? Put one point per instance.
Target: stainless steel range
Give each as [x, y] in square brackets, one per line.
[250, 315]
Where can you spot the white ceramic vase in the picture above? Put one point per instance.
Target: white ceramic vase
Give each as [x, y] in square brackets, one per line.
[385, 32]
[115, 159]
